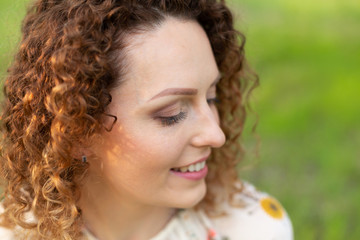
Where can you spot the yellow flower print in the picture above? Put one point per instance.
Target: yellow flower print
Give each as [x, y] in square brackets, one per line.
[272, 207]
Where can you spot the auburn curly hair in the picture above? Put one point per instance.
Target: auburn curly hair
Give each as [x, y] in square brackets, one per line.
[57, 92]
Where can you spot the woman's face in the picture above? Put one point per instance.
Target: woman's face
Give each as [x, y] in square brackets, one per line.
[167, 119]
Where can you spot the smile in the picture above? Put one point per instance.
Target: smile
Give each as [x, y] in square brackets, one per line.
[191, 168]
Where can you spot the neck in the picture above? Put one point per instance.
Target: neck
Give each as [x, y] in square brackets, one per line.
[109, 216]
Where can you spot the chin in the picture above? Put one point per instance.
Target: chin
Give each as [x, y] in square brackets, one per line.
[190, 198]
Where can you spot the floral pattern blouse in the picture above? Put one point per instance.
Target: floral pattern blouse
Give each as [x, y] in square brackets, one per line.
[261, 218]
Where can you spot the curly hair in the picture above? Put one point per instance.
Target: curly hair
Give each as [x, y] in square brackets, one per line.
[57, 92]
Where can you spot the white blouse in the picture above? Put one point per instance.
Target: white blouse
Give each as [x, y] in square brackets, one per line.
[261, 218]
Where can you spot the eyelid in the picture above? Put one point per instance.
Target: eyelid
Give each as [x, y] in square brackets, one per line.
[212, 93]
[169, 110]
[169, 121]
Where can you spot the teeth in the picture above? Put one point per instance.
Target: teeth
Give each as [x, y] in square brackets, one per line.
[197, 166]
[192, 168]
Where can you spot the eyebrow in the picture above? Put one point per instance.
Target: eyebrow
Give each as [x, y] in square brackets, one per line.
[182, 91]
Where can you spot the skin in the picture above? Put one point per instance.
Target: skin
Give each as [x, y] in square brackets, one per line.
[130, 185]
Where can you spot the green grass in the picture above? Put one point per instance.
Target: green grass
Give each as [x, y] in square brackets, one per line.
[307, 54]
[11, 15]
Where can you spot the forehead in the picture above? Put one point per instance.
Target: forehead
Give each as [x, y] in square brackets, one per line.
[177, 54]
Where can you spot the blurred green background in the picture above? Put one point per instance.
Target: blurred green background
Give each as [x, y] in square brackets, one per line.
[307, 54]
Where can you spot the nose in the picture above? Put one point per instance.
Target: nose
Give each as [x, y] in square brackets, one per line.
[207, 131]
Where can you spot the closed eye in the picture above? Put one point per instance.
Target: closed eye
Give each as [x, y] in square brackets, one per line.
[171, 120]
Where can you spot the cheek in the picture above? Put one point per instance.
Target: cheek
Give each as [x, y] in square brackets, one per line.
[147, 150]
[134, 163]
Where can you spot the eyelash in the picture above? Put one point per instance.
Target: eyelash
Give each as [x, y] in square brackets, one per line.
[214, 100]
[169, 121]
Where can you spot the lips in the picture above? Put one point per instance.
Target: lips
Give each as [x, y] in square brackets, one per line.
[195, 167]
[193, 176]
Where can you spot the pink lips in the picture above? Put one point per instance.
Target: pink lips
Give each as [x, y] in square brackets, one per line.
[196, 175]
[192, 175]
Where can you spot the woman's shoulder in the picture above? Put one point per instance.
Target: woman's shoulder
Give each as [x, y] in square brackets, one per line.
[260, 217]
